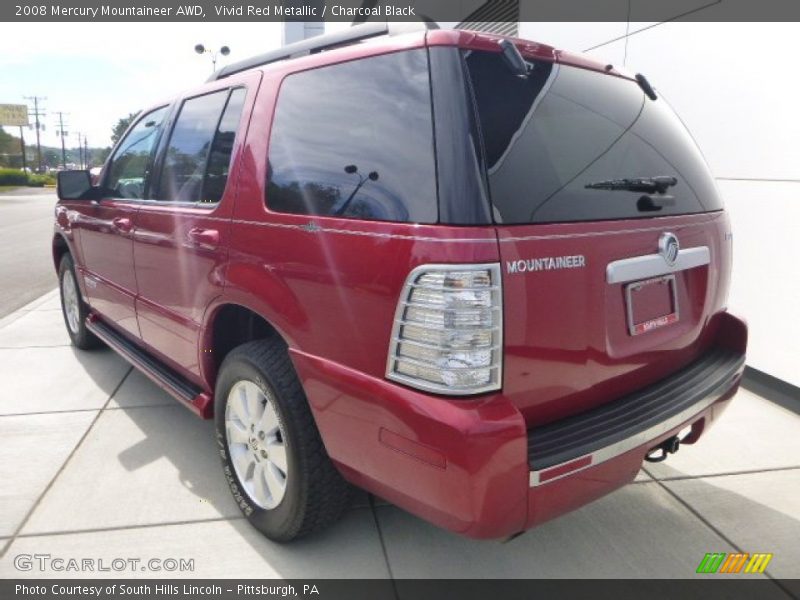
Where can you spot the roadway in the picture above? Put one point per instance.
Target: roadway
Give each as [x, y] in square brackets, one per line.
[26, 264]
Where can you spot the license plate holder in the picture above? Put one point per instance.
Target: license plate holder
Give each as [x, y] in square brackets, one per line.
[651, 304]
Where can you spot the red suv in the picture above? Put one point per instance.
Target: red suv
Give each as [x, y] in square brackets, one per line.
[479, 277]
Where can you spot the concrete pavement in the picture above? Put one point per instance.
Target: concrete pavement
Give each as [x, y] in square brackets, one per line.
[26, 228]
[99, 463]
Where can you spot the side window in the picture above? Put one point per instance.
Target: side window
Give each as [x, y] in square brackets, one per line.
[356, 140]
[195, 166]
[219, 160]
[129, 166]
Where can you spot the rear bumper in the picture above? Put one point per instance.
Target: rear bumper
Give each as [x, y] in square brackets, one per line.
[471, 466]
[602, 434]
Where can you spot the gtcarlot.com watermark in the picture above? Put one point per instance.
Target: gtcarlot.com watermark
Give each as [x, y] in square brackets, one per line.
[44, 563]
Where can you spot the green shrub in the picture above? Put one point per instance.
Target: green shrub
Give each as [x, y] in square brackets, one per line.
[40, 180]
[13, 177]
[17, 177]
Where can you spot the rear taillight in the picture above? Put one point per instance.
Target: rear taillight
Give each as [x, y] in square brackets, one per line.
[448, 331]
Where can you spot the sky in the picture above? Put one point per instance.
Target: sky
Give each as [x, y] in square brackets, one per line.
[715, 75]
[100, 72]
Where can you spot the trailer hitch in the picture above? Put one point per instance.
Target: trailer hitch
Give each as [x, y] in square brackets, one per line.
[664, 449]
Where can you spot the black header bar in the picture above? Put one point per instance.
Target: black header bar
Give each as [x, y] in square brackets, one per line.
[398, 10]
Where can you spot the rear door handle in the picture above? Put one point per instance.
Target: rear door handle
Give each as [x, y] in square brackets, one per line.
[122, 224]
[203, 237]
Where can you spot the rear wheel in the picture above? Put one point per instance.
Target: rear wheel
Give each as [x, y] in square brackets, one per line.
[73, 307]
[272, 455]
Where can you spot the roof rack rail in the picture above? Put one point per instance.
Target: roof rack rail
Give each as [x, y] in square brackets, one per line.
[322, 42]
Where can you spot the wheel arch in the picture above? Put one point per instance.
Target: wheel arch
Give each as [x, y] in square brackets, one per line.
[60, 247]
[227, 325]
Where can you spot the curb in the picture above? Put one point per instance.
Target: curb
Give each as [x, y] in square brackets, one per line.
[30, 306]
[773, 389]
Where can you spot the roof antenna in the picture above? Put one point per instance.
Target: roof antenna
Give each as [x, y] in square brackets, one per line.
[646, 87]
[514, 59]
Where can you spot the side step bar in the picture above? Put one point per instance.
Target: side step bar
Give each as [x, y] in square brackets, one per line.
[187, 393]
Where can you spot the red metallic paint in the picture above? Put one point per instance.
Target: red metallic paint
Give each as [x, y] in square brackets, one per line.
[330, 286]
[480, 493]
[564, 495]
[484, 486]
[566, 333]
[106, 241]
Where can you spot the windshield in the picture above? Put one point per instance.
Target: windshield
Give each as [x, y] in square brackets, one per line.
[554, 142]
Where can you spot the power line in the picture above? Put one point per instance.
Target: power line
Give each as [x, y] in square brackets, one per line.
[37, 112]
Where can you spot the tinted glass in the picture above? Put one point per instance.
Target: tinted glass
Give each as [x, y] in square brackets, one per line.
[355, 140]
[219, 159]
[550, 136]
[189, 146]
[129, 166]
[461, 173]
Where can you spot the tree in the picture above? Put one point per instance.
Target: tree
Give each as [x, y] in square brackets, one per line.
[122, 125]
[99, 155]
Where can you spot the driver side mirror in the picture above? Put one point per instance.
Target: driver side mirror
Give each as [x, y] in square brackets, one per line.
[74, 185]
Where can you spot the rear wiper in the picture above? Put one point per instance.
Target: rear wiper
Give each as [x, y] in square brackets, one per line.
[646, 185]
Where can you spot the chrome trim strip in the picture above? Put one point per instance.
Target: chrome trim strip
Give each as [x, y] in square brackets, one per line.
[430, 306]
[313, 227]
[653, 265]
[435, 328]
[422, 363]
[640, 439]
[435, 347]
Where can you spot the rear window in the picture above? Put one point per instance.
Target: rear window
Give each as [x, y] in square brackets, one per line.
[546, 138]
[355, 140]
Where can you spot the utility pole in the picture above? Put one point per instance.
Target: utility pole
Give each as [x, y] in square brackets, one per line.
[80, 150]
[86, 151]
[37, 113]
[62, 134]
[22, 147]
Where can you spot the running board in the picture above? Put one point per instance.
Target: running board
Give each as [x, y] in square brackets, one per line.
[187, 393]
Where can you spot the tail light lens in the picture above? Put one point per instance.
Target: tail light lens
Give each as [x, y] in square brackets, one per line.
[448, 331]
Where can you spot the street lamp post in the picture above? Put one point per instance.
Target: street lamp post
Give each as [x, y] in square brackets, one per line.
[353, 170]
[224, 51]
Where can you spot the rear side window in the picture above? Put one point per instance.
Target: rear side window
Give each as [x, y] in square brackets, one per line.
[197, 158]
[551, 138]
[355, 140]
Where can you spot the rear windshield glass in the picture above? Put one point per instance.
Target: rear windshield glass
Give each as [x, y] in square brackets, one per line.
[553, 143]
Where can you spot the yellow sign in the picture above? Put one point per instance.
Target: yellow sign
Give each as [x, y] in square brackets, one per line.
[14, 114]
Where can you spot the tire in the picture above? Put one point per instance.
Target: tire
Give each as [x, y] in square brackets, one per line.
[285, 493]
[73, 308]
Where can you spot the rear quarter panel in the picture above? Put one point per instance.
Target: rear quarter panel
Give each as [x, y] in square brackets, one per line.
[329, 285]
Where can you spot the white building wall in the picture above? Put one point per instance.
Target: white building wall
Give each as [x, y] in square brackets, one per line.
[296, 31]
[735, 86]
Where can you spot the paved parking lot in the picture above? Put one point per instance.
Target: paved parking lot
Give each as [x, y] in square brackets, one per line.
[98, 462]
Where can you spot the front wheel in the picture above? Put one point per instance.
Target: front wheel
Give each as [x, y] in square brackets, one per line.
[73, 307]
[272, 455]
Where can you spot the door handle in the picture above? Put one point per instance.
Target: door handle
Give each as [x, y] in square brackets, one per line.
[203, 237]
[122, 224]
